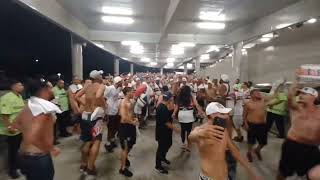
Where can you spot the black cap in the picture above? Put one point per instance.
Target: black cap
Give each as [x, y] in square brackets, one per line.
[167, 95]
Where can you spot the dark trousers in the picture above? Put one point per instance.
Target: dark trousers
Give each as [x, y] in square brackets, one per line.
[13, 148]
[185, 130]
[163, 148]
[62, 123]
[37, 167]
[232, 166]
[113, 126]
[271, 117]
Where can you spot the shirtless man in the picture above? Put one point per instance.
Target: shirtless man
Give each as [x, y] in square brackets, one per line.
[36, 122]
[212, 142]
[92, 121]
[254, 117]
[127, 130]
[211, 92]
[300, 151]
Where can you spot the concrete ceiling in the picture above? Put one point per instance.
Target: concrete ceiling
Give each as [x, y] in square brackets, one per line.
[161, 23]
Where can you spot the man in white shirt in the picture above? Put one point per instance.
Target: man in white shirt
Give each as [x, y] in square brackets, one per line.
[111, 94]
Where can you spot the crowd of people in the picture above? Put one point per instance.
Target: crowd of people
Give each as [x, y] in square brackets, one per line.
[125, 103]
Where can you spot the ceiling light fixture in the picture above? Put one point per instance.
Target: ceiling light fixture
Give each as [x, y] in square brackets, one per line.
[211, 25]
[269, 35]
[280, 26]
[117, 10]
[99, 45]
[249, 45]
[312, 20]
[117, 19]
[212, 16]
[125, 58]
[130, 43]
[189, 66]
[171, 60]
[170, 65]
[145, 59]
[205, 56]
[153, 63]
[187, 44]
[213, 48]
[264, 39]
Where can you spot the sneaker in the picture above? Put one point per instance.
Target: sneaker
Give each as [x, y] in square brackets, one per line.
[166, 161]
[14, 174]
[162, 170]
[83, 168]
[126, 172]
[249, 156]
[258, 154]
[128, 164]
[108, 148]
[91, 172]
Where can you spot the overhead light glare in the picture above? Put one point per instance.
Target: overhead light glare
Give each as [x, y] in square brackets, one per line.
[265, 39]
[117, 10]
[189, 66]
[205, 57]
[171, 60]
[211, 25]
[212, 16]
[280, 26]
[213, 48]
[99, 45]
[249, 45]
[117, 20]
[312, 20]
[187, 44]
[130, 43]
[269, 35]
[153, 63]
[145, 59]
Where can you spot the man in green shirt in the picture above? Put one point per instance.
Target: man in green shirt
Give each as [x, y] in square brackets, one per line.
[277, 111]
[10, 105]
[61, 99]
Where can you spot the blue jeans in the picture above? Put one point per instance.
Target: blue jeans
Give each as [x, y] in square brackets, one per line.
[232, 166]
[37, 167]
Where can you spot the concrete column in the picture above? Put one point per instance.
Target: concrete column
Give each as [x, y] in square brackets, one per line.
[77, 60]
[116, 67]
[197, 65]
[131, 69]
[161, 71]
[185, 68]
[240, 62]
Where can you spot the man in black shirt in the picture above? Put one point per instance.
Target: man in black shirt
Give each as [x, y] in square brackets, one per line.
[164, 128]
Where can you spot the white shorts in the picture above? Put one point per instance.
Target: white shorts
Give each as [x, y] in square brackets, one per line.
[185, 116]
[237, 121]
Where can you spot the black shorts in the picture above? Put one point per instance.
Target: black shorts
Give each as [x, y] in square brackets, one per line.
[257, 132]
[127, 135]
[298, 158]
[88, 130]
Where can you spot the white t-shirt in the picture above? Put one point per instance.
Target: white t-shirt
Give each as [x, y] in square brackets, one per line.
[75, 88]
[113, 99]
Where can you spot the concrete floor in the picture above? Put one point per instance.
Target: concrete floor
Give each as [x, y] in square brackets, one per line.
[184, 165]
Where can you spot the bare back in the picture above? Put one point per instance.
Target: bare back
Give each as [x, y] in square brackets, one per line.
[94, 97]
[126, 111]
[305, 126]
[256, 111]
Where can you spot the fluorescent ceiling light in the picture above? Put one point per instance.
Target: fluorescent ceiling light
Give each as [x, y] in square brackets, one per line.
[145, 59]
[211, 25]
[99, 45]
[264, 39]
[312, 20]
[37, 60]
[170, 65]
[264, 84]
[117, 10]
[280, 26]
[153, 63]
[270, 48]
[125, 58]
[270, 35]
[177, 50]
[117, 19]
[213, 48]
[189, 66]
[230, 55]
[205, 57]
[187, 44]
[171, 60]
[212, 16]
[249, 45]
[130, 43]
[137, 49]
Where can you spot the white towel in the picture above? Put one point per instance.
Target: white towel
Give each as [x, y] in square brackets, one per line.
[41, 106]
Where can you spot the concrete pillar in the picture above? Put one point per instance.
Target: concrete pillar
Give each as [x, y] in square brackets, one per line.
[116, 67]
[197, 65]
[131, 69]
[77, 60]
[185, 68]
[161, 71]
[240, 62]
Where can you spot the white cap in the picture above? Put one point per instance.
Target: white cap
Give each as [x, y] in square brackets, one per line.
[95, 74]
[225, 77]
[137, 79]
[117, 79]
[215, 107]
[157, 79]
[184, 79]
[309, 90]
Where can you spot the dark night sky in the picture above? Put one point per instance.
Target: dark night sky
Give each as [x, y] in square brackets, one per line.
[27, 36]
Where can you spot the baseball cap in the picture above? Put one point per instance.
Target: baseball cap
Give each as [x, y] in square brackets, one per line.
[167, 95]
[95, 74]
[117, 79]
[225, 77]
[184, 79]
[309, 90]
[215, 107]
[157, 79]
